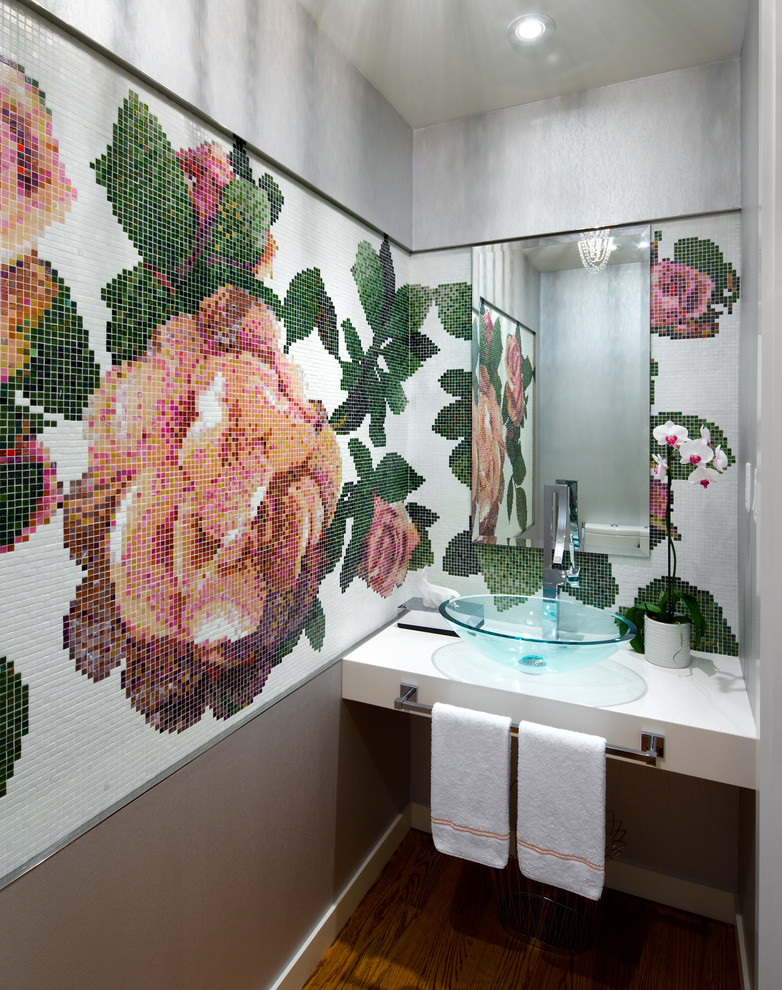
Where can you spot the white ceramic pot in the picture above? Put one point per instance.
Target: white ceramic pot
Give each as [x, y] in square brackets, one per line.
[667, 644]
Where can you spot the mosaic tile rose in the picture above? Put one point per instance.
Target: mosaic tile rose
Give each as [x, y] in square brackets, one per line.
[201, 522]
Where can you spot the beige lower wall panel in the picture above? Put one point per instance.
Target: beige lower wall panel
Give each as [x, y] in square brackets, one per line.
[214, 877]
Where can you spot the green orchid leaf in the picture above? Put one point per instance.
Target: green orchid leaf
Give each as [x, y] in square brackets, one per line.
[716, 634]
[14, 720]
[695, 615]
[509, 499]
[146, 188]
[635, 614]
[454, 305]
[460, 558]
[62, 372]
[367, 272]
[139, 303]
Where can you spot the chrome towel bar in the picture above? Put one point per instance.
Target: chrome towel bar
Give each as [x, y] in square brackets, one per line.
[652, 746]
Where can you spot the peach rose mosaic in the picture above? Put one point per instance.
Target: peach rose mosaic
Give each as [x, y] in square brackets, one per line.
[488, 453]
[201, 520]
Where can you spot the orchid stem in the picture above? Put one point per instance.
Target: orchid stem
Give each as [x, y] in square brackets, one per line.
[671, 549]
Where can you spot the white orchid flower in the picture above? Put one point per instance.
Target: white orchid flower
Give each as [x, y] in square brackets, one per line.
[670, 434]
[702, 476]
[705, 435]
[720, 461]
[660, 469]
[696, 452]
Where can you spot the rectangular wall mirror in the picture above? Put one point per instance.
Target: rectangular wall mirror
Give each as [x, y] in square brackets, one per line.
[561, 373]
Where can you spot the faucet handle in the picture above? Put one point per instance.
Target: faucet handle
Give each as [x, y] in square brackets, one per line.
[571, 576]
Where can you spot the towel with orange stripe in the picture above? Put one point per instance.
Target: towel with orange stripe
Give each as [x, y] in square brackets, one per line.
[470, 784]
[560, 828]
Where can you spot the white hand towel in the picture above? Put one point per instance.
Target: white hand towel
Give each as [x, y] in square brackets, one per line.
[471, 784]
[560, 831]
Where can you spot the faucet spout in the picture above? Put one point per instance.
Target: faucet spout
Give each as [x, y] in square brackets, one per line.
[557, 537]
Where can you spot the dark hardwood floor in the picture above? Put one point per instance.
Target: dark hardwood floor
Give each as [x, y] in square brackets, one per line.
[431, 921]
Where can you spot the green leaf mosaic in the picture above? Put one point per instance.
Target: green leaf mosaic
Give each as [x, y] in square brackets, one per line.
[14, 720]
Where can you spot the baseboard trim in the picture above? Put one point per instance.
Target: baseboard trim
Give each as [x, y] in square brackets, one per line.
[310, 952]
[421, 817]
[687, 895]
[745, 970]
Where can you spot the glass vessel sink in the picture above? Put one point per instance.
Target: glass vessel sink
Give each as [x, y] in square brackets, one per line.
[509, 629]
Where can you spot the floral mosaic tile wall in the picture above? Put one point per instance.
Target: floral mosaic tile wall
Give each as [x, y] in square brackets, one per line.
[236, 430]
[204, 388]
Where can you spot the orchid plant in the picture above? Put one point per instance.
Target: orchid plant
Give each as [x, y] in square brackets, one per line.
[707, 463]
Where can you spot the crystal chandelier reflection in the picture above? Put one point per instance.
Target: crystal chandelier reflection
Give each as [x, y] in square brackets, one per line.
[594, 247]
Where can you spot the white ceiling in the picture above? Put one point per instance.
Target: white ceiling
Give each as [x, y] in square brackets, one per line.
[436, 60]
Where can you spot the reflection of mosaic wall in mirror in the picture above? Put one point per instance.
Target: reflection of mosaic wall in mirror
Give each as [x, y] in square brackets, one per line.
[235, 421]
[694, 325]
[503, 427]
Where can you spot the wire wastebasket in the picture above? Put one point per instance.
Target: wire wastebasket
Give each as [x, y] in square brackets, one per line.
[549, 916]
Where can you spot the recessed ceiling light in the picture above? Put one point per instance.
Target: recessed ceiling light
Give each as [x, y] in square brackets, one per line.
[529, 29]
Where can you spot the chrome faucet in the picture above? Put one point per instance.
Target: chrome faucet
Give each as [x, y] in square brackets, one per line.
[560, 533]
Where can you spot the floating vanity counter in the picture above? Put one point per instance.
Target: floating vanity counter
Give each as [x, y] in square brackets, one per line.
[702, 712]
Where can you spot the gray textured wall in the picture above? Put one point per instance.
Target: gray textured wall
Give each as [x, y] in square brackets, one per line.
[263, 70]
[214, 877]
[663, 146]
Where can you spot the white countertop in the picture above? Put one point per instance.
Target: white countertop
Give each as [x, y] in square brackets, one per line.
[703, 712]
